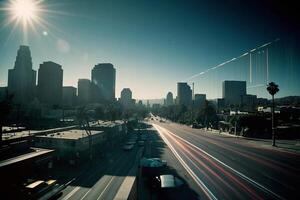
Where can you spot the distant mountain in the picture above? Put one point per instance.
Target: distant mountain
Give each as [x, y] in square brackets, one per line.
[289, 100]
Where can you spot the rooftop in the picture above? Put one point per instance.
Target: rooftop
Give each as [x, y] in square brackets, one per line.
[25, 133]
[100, 123]
[37, 152]
[74, 134]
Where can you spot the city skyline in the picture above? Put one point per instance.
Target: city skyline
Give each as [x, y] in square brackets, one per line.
[149, 99]
[141, 45]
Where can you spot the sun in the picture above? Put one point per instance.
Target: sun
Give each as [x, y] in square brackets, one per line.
[26, 15]
[25, 10]
[31, 18]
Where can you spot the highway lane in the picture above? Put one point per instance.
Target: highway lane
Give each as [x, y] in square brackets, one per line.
[103, 179]
[231, 168]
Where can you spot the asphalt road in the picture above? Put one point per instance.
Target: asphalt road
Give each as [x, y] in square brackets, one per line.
[224, 167]
[104, 178]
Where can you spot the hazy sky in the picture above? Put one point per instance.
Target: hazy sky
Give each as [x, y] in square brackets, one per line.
[152, 44]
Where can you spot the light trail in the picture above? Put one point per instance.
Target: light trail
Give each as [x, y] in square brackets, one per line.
[250, 155]
[231, 60]
[204, 188]
[241, 175]
[271, 163]
[212, 172]
[210, 165]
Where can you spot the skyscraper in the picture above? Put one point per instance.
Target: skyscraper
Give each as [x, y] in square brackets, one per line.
[50, 81]
[84, 91]
[233, 92]
[126, 97]
[2, 92]
[184, 94]
[169, 99]
[104, 78]
[22, 78]
[69, 96]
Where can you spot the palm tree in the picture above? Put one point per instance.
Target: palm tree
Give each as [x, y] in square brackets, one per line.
[273, 89]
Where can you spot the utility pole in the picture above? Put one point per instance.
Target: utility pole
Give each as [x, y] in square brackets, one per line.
[250, 67]
[273, 128]
[267, 62]
[193, 93]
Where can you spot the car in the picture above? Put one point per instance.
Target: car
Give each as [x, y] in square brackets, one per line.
[168, 186]
[130, 142]
[141, 143]
[152, 162]
[169, 181]
[151, 167]
[40, 189]
[128, 147]
[195, 125]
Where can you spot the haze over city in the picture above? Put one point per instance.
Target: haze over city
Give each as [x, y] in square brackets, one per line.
[149, 100]
[168, 40]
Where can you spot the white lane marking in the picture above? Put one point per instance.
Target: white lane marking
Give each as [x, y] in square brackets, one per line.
[106, 187]
[256, 184]
[86, 194]
[188, 169]
[71, 193]
[68, 183]
[92, 187]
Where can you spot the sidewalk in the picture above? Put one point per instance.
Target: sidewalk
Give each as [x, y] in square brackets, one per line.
[281, 145]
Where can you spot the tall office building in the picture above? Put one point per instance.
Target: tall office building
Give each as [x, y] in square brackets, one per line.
[50, 81]
[126, 97]
[148, 104]
[104, 78]
[199, 100]
[22, 78]
[84, 91]
[3, 91]
[233, 92]
[69, 96]
[169, 99]
[184, 94]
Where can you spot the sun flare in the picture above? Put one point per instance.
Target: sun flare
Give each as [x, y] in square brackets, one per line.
[25, 10]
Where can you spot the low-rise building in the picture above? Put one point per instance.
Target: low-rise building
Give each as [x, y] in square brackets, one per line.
[71, 144]
[220, 104]
[249, 102]
[112, 129]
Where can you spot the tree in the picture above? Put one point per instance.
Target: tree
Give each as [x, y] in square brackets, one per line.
[272, 88]
[208, 112]
[99, 113]
[83, 120]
